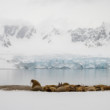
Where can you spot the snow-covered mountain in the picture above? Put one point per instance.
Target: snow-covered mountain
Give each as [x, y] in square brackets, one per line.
[90, 37]
[7, 32]
[28, 46]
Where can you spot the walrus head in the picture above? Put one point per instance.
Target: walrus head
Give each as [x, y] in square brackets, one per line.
[31, 82]
[35, 83]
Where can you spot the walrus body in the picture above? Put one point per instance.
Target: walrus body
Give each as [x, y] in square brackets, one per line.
[90, 88]
[66, 87]
[80, 89]
[36, 86]
[50, 88]
[35, 83]
[61, 89]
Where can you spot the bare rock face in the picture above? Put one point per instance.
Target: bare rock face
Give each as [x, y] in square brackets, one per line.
[91, 36]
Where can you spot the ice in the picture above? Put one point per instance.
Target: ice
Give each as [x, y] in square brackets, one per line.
[21, 100]
[61, 62]
[26, 46]
[54, 62]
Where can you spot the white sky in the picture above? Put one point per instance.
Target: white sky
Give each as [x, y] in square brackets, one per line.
[75, 12]
[64, 13]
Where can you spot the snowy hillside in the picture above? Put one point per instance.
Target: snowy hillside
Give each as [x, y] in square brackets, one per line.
[90, 37]
[27, 46]
[7, 32]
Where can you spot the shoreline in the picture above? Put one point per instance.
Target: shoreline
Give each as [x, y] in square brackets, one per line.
[66, 88]
[15, 87]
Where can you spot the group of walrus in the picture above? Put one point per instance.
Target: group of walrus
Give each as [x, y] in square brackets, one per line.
[66, 87]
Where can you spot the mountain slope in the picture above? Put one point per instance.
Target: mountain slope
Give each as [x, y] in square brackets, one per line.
[90, 37]
[15, 31]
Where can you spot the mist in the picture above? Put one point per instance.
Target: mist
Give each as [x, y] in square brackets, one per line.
[75, 13]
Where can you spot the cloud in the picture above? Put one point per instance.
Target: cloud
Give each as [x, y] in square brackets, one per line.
[78, 12]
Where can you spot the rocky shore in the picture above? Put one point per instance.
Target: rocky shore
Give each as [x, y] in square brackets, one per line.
[15, 87]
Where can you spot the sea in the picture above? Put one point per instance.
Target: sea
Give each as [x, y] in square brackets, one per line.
[55, 76]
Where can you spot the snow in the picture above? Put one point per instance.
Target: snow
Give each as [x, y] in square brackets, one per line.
[22, 100]
[50, 46]
[51, 39]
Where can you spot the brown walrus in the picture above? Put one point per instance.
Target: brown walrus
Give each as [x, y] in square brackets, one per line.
[37, 88]
[35, 83]
[66, 87]
[49, 88]
[80, 88]
[63, 84]
[90, 88]
[63, 89]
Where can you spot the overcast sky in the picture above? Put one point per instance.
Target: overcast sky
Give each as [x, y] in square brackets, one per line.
[76, 12]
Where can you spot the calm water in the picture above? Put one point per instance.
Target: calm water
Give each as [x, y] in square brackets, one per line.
[53, 76]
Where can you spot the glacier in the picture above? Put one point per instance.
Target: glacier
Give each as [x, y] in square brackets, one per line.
[26, 46]
[59, 62]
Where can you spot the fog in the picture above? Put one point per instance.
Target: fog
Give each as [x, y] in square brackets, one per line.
[59, 13]
[83, 13]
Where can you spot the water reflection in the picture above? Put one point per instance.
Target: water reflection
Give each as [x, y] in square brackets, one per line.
[53, 76]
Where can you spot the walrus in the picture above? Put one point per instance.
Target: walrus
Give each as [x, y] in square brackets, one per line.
[90, 88]
[106, 87]
[52, 89]
[37, 88]
[63, 84]
[35, 83]
[65, 88]
[72, 88]
[100, 87]
[61, 89]
[49, 88]
[80, 88]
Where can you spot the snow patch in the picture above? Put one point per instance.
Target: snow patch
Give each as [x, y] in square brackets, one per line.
[17, 100]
